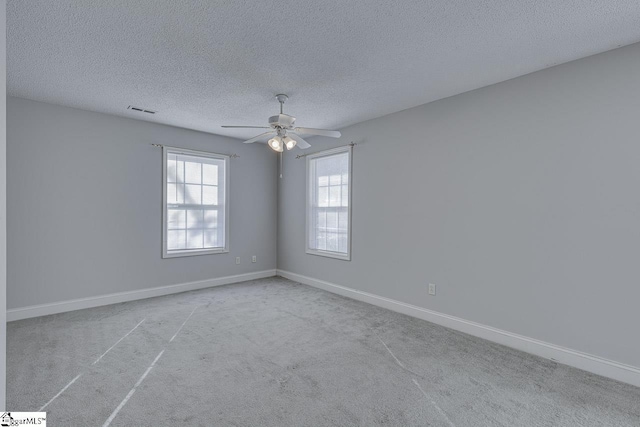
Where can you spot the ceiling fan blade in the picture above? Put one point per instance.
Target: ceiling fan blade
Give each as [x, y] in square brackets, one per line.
[301, 143]
[247, 127]
[321, 132]
[259, 137]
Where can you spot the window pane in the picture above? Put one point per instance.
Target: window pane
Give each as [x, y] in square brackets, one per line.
[179, 171]
[342, 243]
[210, 219]
[176, 239]
[209, 195]
[332, 242]
[194, 239]
[211, 239]
[193, 172]
[321, 241]
[171, 193]
[175, 193]
[332, 221]
[323, 181]
[321, 219]
[345, 195]
[334, 180]
[323, 196]
[194, 218]
[171, 168]
[210, 174]
[176, 218]
[334, 196]
[343, 220]
[193, 194]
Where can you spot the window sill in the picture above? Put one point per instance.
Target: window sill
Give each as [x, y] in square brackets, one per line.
[327, 254]
[195, 252]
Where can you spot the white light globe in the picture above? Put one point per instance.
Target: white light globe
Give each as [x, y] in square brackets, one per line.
[276, 144]
[289, 142]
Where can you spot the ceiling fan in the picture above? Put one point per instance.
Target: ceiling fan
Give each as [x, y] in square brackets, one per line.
[283, 133]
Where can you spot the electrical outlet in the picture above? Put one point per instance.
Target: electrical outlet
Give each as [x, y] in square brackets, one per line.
[432, 289]
[237, 260]
[254, 259]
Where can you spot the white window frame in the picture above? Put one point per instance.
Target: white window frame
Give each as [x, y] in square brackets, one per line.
[166, 150]
[309, 201]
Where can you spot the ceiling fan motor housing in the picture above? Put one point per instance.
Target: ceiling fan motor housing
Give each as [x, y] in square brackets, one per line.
[282, 120]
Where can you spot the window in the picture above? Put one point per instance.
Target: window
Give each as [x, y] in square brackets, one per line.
[195, 203]
[329, 203]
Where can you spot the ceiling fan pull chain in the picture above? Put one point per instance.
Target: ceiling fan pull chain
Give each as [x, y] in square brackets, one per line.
[280, 165]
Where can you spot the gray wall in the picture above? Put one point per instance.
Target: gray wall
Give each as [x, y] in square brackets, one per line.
[520, 201]
[84, 205]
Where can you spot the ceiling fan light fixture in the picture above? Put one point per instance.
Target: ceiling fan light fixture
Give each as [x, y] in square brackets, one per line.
[276, 144]
[279, 126]
[289, 142]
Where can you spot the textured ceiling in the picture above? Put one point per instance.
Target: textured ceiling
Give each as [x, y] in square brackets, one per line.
[202, 64]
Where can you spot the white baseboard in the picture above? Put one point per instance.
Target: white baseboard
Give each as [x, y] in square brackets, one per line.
[594, 364]
[81, 303]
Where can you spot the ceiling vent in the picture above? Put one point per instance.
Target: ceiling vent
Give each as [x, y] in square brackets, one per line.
[140, 110]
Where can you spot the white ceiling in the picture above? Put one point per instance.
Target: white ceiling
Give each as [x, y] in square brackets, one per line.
[202, 64]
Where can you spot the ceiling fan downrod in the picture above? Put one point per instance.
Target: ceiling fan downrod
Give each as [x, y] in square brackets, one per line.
[281, 99]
